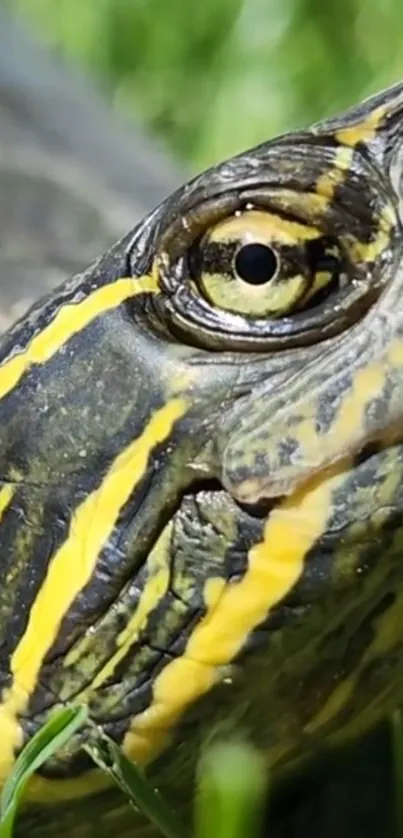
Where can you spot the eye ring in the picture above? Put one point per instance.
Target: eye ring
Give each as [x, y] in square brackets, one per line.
[190, 318]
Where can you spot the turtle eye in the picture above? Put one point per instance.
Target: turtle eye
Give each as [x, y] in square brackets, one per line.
[263, 265]
[273, 264]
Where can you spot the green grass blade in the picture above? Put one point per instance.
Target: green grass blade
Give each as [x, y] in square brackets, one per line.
[49, 739]
[232, 791]
[135, 785]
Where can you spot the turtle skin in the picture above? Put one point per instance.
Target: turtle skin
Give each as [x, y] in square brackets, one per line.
[202, 483]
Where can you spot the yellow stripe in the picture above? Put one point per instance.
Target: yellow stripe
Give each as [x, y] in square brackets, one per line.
[348, 430]
[6, 495]
[155, 588]
[262, 226]
[274, 566]
[70, 319]
[72, 567]
[367, 384]
[49, 791]
[350, 425]
[364, 131]
[362, 252]
[334, 176]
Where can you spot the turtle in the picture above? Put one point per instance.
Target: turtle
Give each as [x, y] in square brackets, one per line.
[201, 467]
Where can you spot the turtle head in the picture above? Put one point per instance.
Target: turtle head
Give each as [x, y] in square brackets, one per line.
[201, 437]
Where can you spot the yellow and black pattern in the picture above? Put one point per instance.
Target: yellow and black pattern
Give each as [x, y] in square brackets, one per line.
[202, 466]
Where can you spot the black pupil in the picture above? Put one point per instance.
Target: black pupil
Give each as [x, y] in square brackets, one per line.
[256, 263]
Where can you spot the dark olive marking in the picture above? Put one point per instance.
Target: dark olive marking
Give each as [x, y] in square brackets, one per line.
[320, 258]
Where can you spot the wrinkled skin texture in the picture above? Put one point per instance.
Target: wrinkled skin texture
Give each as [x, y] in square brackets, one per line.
[201, 511]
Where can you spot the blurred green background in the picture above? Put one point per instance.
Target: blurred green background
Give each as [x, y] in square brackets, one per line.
[212, 77]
